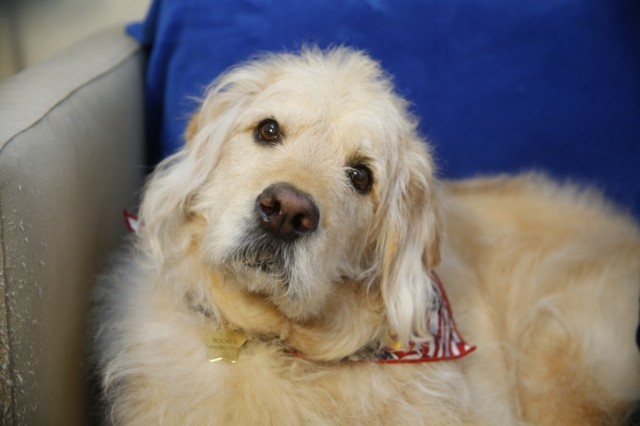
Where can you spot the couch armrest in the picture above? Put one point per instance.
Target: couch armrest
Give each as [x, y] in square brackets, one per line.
[71, 157]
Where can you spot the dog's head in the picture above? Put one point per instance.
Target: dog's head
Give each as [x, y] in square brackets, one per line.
[303, 173]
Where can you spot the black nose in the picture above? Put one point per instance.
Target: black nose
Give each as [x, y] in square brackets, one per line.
[286, 212]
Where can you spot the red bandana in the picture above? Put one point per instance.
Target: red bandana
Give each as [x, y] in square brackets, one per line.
[446, 343]
[131, 220]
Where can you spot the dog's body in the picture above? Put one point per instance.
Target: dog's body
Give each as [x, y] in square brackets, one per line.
[304, 215]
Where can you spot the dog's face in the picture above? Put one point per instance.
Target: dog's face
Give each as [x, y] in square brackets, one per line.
[306, 173]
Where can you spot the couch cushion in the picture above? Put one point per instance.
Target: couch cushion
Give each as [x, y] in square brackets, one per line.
[500, 86]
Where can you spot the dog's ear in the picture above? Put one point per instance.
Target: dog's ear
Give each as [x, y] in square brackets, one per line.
[166, 204]
[409, 248]
[172, 189]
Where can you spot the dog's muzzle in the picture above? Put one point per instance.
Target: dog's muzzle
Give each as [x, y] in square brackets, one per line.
[286, 212]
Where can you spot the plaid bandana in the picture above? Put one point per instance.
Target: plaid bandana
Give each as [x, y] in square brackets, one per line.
[446, 343]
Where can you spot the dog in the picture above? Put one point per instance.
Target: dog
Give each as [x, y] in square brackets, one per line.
[299, 262]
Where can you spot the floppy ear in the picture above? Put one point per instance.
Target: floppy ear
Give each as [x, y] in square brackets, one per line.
[409, 248]
[173, 187]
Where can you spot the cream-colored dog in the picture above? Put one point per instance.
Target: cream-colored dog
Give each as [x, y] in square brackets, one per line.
[302, 230]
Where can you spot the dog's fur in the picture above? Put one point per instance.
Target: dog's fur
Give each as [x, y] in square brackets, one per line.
[543, 278]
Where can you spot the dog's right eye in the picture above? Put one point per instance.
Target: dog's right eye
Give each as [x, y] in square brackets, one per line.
[268, 132]
[361, 178]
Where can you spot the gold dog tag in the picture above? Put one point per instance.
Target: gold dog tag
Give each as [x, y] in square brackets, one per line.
[223, 345]
[393, 343]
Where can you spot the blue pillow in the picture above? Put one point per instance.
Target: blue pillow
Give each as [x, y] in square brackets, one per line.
[499, 85]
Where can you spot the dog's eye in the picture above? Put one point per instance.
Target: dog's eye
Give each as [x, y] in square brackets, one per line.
[268, 131]
[361, 178]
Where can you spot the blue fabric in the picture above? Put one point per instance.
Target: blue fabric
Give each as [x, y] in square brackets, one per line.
[499, 85]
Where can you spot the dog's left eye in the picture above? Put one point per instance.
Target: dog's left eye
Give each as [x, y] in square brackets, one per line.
[268, 131]
[361, 178]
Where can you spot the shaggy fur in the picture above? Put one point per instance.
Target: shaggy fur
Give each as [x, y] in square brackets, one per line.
[543, 278]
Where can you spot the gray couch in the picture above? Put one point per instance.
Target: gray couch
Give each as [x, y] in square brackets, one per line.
[71, 158]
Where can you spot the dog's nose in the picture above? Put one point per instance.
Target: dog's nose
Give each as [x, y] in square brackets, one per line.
[286, 212]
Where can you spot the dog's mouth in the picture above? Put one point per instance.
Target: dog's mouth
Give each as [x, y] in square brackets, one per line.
[278, 270]
[261, 253]
[265, 263]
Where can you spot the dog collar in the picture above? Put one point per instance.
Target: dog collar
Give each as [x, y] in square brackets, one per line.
[445, 344]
